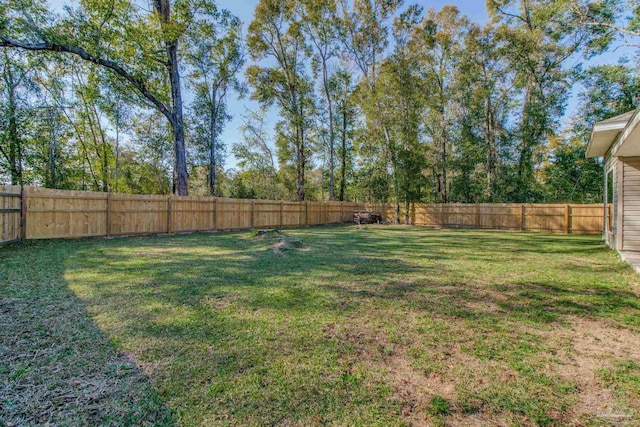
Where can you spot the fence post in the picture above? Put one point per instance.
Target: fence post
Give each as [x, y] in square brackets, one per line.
[306, 213]
[253, 211]
[412, 213]
[522, 218]
[169, 209]
[326, 213]
[24, 199]
[281, 213]
[108, 224]
[215, 213]
[568, 219]
[299, 214]
[477, 216]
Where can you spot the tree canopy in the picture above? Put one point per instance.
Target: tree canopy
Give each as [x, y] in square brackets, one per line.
[368, 100]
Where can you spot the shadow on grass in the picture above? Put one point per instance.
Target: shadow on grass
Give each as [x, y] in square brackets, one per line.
[58, 367]
[345, 270]
[343, 266]
[227, 328]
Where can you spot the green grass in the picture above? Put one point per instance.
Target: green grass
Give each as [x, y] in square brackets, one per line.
[373, 326]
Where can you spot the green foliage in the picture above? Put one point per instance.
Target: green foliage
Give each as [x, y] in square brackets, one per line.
[276, 34]
[366, 100]
[610, 90]
[216, 57]
[571, 177]
[439, 406]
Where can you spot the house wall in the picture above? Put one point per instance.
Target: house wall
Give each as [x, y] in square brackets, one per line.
[630, 213]
[612, 172]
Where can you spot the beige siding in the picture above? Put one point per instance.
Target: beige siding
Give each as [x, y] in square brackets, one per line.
[631, 202]
[618, 209]
[611, 165]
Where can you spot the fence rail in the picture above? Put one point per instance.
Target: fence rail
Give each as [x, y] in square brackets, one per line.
[40, 213]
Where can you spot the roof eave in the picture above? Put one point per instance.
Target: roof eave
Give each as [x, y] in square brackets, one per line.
[623, 146]
[610, 133]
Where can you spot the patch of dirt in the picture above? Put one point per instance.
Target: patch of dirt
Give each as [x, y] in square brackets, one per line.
[410, 385]
[288, 244]
[281, 243]
[588, 346]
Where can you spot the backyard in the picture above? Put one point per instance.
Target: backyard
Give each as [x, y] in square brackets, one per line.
[319, 326]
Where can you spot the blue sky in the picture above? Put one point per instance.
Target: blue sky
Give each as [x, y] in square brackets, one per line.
[474, 9]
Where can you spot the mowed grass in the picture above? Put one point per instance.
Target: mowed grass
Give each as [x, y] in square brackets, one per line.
[372, 326]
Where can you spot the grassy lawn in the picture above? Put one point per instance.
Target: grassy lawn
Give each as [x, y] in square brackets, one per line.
[373, 326]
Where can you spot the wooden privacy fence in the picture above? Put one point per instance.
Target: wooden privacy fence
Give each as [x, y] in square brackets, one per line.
[40, 213]
[10, 213]
[555, 218]
[48, 214]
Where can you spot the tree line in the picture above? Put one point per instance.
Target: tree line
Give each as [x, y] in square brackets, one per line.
[368, 100]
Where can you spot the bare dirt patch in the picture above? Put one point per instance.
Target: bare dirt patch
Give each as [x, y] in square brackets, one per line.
[588, 346]
[287, 244]
[411, 386]
[280, 242]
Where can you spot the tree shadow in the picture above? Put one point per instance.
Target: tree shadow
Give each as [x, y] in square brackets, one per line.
[58, 367]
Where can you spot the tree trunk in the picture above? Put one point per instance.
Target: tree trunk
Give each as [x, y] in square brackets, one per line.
[15, 160]
[445, 194]
[343, 172]
[491, 149]
[394, 174]
[527, 136]
[176, 119]
[443, 137]
[325, 82]
[407, 208]
[51, 174]
[14, 156]
[181, 174]
[212, 153]
[117, 168]
[300, 162]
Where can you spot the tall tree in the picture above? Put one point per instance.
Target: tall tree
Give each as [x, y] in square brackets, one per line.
[216, 56]
[141, 48]
[256, 158]
[342, 88]
[540, 39]
[276, 34]
[17, 87]
[322, 26]
[402, 90]
[485, 101]
[366, 26]
[608, 90]
[441, 40]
